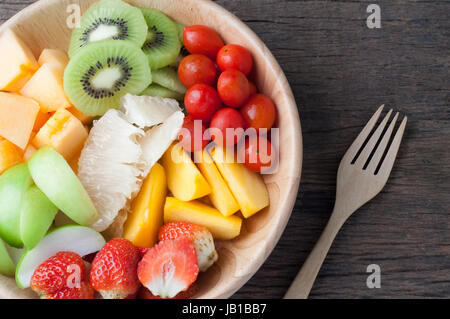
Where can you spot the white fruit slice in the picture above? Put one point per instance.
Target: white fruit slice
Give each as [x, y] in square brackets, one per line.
[78, 239]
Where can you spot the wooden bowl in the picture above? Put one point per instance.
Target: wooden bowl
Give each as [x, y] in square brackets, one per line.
[43, 25]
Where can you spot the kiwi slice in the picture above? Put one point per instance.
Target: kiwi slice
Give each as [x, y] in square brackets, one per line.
[158, 90]
[100, 74]
[180, 28]
[168, 78]
[109, 19]
[162, 45]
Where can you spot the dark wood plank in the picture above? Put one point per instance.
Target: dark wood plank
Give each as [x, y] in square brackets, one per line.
[340, 71]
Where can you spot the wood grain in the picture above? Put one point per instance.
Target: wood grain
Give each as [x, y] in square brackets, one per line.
[340, 71]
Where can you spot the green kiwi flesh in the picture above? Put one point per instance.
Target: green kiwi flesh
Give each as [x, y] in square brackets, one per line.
[100, 74]
[158, 90]
[109, 19]
[162, 45]
[168, 78]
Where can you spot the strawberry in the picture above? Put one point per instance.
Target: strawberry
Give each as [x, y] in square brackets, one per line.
[142, 251]
[113, 273]
[57, 273]
[203, 241]
[144, 293]
[85, 291]
[169, 268]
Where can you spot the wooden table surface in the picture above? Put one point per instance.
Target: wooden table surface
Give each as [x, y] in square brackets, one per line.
[340, 72]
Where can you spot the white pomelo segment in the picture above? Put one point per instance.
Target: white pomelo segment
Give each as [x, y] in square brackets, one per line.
[78, 239]
[158, 140]
[148, 111]
[103, 32]
[106, 78]
[56, 179]
[110, 166]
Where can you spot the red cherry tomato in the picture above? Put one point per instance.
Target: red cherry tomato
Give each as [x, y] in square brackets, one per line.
[257, 152]
[253, 89]
[197, 68]
[233, 88]
[192, 136]
[259, 112]
[200, 39]
[233, 56]
[202, 102]
[227, 127]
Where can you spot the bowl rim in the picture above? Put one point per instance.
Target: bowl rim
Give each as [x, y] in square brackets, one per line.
[293, 177]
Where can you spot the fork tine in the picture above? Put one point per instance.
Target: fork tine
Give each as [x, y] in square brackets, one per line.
[364, 156]
[382, 147]
[354, 148]
[388, 162]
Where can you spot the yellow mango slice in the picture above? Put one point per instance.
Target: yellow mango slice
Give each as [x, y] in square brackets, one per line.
[85, 119]
[53, 56]
[221, 227]
[46, 88]
[183, 178]
[10, 155]
[147, 213]
[221, 196]
[17, 62]
[64, 132]
[17, 117]
[247, 186]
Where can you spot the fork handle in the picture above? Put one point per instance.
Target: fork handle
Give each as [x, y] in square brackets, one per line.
[303, 283]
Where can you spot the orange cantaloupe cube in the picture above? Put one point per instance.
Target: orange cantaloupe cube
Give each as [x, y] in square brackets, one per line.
[17, 62]
[85, 119]
[41, 119]
[53, 56]
[64, 132]
[29, 151]
[46, 87]
[74, 162]
[17, 117]
[10, 155]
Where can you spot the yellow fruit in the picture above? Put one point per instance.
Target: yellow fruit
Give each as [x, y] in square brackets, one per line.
[221, 196]
[247, 186]
[17, 117]
[183, 178]
[85, 119]
[29, 151]
[64, 132]
[195, 212]
[53, 56]
[147, 213]
[46, 88]
[17, 62]
[10, 155]
[41, 119]
[74, 162]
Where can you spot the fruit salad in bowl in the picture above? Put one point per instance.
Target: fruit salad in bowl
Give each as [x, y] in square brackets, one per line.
[144, 160]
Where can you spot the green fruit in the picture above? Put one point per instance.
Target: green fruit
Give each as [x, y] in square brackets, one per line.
[53, 175]
[7, 267]
[180, 28]
[163, 44]
[109, 19]
[103, 72]
[37, 213]
[13, 184]
[158, 90]
[168, 78]
[78, 239]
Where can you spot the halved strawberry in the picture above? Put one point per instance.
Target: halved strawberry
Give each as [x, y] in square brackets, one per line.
[144, 293]
[169, 268]
[201, 236]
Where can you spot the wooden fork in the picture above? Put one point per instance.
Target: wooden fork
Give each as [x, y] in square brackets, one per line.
[360, 178]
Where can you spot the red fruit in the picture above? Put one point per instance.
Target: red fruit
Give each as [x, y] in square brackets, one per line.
[113, 272]
[233, 56]
[202, 102]
[142, 252]
[257, 152]
[197, 68]
[169, 268]
[202, 238]
[192, 135]
[227, 127]
[233, 88]
[58, 273]
[85, 291]
[188, 294]
[259, 112]
[253, 88]
[200, 39]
